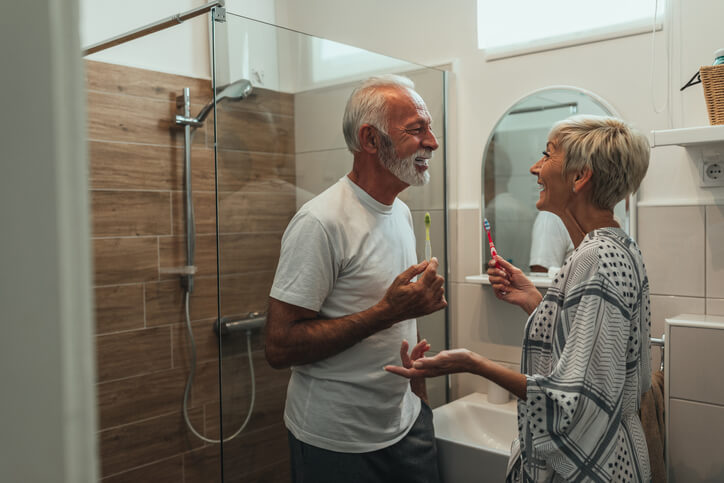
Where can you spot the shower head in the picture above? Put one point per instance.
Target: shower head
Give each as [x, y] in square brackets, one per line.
[235, 91]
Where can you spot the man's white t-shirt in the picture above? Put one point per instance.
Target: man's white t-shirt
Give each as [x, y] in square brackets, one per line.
[340, 253]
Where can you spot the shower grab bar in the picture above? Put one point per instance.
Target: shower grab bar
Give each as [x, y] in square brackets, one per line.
[152, 27]
[232, 325]
[660, 343]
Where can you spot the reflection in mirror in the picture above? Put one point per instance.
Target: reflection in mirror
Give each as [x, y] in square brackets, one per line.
[531, 240]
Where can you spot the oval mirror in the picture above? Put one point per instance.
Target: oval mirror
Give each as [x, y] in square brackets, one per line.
[533, 241]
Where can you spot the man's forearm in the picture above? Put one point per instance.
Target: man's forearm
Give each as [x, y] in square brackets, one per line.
[311, 340]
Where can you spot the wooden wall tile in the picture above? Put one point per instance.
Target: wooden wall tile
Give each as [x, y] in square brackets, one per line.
[204, 212]
[134, 399]
[126, 354]
[255, 131]
[203, 465]
[278, 472]
[132, 81]
[244, 293]
[132, 119]
[140, 166]
[249, 252]
[135, 166]
[119, 308]
[264, 100]
[268, 411]
[131, 213]
[205, 339]
[172, 252]
[243, 212]
[206, 384]
[125, 260]
[133, 445]
[253, 171]
[235, 377]
[165, 471]
[137, 176]
[257, 449]
[165, 304]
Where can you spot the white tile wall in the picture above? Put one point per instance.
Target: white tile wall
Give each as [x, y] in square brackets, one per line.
[465, 239]
[671, 239]
[317, 171]
[486, 325]
[715, 306]
[318, 118]
[715, 251]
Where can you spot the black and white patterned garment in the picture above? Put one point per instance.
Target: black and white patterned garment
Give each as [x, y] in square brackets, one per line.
[586, 353]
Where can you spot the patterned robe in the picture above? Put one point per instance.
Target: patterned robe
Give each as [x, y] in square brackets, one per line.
[586, 353]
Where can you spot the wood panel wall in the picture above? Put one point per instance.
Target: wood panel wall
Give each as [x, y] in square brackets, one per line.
[136, 182]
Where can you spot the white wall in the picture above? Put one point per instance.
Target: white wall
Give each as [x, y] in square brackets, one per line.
[183, 49]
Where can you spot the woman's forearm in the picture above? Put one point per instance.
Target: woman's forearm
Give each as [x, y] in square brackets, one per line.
[513, 381]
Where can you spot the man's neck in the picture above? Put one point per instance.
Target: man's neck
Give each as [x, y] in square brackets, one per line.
[376, 180]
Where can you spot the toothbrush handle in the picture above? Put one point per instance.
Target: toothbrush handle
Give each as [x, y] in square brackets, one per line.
[428, 250]
[493, 251]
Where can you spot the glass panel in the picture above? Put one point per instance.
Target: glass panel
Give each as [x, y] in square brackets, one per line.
[510, 192]
[276, 149]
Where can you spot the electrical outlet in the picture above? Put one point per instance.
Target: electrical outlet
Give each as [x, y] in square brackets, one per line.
[712, 172]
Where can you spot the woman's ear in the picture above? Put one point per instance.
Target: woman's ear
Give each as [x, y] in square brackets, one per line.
[582, 179]
[368, 139]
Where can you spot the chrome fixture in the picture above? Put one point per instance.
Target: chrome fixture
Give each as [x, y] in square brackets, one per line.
[158, 26]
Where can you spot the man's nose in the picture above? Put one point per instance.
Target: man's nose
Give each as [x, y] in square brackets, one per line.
[430, 141]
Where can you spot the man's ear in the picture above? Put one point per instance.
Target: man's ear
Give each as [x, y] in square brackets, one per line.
[368, 139]
[582, 179]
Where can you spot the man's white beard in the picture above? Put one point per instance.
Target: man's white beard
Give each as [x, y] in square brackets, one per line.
[404, 169]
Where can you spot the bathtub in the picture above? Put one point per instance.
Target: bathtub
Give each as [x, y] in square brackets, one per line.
[473, 439]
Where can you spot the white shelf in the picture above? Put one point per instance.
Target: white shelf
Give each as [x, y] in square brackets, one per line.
[542, 280]
[690, 136]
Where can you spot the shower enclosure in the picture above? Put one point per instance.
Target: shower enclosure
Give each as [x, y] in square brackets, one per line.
[254, 160]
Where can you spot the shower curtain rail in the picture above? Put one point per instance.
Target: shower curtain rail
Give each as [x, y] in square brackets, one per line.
[153, 27]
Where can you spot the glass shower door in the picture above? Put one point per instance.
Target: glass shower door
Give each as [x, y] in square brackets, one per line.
[277, 148]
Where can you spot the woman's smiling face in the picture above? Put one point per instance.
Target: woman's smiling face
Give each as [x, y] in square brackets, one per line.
[556, 190]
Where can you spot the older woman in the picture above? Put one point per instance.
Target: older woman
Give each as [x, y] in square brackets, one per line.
[585, 360]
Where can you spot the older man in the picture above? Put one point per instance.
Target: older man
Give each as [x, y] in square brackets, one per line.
[344, 296]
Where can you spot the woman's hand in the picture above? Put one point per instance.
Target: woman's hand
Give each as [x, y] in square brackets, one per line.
[511, 285]
[446, 362]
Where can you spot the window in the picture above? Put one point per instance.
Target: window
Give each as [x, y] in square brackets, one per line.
[515, 27]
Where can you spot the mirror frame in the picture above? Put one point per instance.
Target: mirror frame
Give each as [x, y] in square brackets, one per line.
[633, 204]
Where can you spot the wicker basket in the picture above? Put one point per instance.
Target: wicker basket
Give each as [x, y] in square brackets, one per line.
[712, 78]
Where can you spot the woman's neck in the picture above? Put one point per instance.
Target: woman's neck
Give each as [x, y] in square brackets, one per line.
[583, 218]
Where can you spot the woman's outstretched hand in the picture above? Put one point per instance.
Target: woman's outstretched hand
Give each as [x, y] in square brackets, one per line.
[511, 285]
[446, 362]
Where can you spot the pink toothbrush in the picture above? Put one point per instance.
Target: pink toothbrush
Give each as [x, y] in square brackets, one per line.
[493, 252]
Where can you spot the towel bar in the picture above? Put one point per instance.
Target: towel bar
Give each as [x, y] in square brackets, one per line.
[661, 343]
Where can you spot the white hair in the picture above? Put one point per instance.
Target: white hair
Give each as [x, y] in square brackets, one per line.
[368, 105]
[615, 152]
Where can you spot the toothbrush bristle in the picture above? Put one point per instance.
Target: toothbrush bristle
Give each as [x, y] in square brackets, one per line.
[487, 225]
[427, 220]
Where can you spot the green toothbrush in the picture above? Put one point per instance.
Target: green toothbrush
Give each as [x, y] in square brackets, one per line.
[428, 249]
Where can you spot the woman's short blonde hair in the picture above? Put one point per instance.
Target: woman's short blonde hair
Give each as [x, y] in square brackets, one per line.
[615, 152]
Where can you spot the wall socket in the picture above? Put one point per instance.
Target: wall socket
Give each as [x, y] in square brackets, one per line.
[712, 172]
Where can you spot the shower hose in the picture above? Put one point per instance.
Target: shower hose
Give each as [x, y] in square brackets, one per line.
[190, 382]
